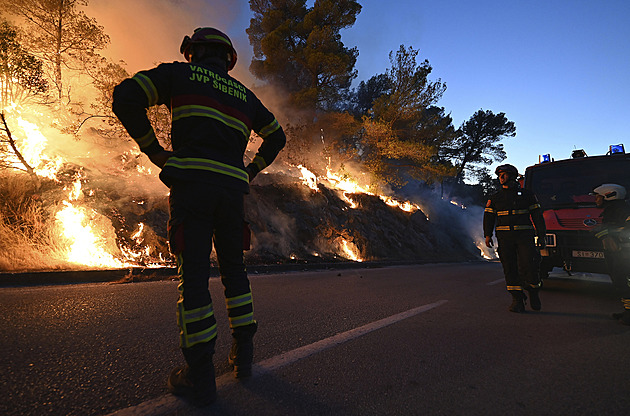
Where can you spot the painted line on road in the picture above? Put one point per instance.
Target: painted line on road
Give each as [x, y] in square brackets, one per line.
[170, 404]
[495, 282]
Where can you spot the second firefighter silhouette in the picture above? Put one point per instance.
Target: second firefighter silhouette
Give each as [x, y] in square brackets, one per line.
[517, 216]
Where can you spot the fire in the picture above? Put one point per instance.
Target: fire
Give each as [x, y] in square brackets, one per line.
[86, 238]
[308, 178]
[350, 251]
[84, 246]
[348, 186]
[33, 149]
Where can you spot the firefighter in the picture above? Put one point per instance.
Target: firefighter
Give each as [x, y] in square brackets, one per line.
[212, 116]
[518, 217]
[614, 233]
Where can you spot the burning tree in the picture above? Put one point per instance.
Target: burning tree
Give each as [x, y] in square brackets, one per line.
[20, 79]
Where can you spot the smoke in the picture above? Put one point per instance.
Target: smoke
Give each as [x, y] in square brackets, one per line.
[144, 33]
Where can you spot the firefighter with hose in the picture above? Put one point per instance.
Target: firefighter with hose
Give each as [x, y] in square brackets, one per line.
[212, 115]
[614, 233]
[518, 218]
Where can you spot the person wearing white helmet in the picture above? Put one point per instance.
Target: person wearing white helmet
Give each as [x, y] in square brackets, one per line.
[614, 229]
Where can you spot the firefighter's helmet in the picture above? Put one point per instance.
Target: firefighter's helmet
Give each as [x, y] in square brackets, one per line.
[208, 35]
[610, 191]
[507, 169]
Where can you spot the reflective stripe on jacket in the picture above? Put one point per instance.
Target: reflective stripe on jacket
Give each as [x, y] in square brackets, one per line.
[212, 116]
[513, 210]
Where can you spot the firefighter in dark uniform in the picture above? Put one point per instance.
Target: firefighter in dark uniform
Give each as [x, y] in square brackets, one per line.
[518, 218]
[212, 115]
[614, 233]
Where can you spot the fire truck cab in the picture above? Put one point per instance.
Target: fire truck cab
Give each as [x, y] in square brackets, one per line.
[563, 189]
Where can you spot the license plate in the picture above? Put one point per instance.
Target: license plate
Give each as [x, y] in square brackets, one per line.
[588, 254]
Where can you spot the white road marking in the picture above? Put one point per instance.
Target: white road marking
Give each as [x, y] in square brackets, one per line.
[495, 282]
[170, 404]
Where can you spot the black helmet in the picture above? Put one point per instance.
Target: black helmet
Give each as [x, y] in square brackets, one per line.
[507, 169]
[208, 35]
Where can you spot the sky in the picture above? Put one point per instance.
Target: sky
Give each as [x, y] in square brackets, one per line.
[559, 69]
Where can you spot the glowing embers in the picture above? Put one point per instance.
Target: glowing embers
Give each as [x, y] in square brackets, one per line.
[348, 186]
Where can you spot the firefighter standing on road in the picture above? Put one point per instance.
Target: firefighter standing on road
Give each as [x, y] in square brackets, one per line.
[615, 226]
[513, 209]
[212, 117]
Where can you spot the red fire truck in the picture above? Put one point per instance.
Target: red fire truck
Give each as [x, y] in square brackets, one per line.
[571, 216]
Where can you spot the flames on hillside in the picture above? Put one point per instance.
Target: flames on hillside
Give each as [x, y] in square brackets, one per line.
[88, 238]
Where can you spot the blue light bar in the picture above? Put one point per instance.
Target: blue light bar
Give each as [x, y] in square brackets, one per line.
[544, 158]
[617, 148]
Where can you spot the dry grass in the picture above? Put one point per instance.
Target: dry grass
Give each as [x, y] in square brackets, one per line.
[28, 240]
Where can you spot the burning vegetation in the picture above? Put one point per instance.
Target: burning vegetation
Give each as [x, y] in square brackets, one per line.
[76, 193]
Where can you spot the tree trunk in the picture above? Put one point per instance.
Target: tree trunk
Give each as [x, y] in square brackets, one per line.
[11, 142]
[58, 81]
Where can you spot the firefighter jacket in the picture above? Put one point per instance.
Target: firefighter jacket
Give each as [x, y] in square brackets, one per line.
[513, 210]
[615, 219]
[212, 116]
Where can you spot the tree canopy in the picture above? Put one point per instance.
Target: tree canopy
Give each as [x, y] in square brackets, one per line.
[299, 49]
[59, 34]
[479, 140]
[21, 73]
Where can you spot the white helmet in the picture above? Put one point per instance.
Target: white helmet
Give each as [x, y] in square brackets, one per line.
[611, 191]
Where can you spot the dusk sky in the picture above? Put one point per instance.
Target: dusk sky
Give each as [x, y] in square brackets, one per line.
[558, 69]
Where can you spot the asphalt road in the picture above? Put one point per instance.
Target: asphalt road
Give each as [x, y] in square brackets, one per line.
[407, 340]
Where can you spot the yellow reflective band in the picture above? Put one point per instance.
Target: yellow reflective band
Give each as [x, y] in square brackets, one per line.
[237, 301]
[198, 314]
[146, 140]
[208, 165]
[217, 37]
[269, 128]
[515, 288]
[490, 210]
[203, 336]
[503, 212]
[503, 228]
[259, 162]
[149, 88]
[203, 111]
[520, 211]
[523, 227]
[533, 207]
[601, 233]
[242, 320]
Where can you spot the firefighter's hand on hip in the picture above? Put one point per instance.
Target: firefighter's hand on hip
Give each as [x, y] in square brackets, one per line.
[489, 242]
[160, 158]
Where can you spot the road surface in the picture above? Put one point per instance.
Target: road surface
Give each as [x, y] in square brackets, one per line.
[406, 340]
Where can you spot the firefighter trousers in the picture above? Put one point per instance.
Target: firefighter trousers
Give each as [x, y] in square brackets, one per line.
[517, 253]
[618, 264]
[201, 214]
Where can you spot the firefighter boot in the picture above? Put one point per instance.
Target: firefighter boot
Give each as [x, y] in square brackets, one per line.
[195, 381]
[534, 298]
[518, 301]
[624, 317]
[241, 354]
